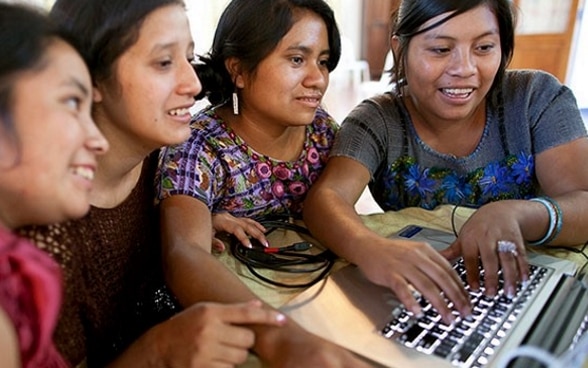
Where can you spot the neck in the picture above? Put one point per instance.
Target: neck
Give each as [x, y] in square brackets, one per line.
[118, 170]
[280, 142]
[458, 137]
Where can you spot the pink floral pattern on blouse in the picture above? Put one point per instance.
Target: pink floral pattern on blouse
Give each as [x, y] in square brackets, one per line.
[217, 167]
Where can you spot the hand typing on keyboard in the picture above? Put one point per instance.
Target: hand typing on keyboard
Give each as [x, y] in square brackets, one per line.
[468, 341]
[478, 243]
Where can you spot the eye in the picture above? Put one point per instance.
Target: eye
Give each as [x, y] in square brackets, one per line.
[439, 50]
[297, 60]
[73, 103]
[486, 48]
[164, 63]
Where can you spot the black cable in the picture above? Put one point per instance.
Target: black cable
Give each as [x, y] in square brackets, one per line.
[453, 227]
[288, 259]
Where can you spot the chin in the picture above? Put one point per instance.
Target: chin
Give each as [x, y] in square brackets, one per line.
[180, 136]
[78, 211]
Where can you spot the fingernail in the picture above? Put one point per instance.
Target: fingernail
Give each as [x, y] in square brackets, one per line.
[265, 244]
[491, 292]
[280, 317]
[510, 292]
[417, 312]
[249, 245]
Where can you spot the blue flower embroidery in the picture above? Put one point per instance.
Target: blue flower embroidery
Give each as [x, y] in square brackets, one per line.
[522, 168]
[495, 180]
[418, 182]
[406, 183]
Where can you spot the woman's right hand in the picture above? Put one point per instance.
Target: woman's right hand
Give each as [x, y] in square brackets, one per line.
[406, 266]
[211, 334]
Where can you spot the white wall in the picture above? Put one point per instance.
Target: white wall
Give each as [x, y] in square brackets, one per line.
[204, 15]
[578, 76]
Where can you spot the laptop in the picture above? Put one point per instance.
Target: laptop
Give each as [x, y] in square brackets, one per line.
[549, 313]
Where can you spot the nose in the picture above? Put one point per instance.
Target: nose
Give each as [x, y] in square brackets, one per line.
[95, 140]
[189, 84]
[317, 77]
[462, 64]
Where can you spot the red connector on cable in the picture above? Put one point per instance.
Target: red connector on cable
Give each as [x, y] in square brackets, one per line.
[295, 247]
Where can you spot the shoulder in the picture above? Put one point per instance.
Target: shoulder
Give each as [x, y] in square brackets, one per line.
[534, 91]
[324, 122]
[531, 84]
[378, 113]
[382, 105]
[207, 130]
[207, 123]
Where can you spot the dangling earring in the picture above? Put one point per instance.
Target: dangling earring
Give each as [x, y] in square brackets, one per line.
[235, 103]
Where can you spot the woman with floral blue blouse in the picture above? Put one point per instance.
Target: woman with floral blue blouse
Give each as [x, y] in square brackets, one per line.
[457, 128]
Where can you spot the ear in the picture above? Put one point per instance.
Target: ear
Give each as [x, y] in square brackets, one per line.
[394, 44]
[233, 66]
[96, 95]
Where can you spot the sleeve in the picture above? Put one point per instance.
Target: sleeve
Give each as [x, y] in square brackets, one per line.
[553, 112]
[187, 169]
[363, 135]
[30, 293]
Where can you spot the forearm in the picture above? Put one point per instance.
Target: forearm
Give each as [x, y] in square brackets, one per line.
[574, 212]
[533, 217]
[195, 275]
[334, 222]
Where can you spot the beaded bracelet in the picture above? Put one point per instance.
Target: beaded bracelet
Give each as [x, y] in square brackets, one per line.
[555, 220]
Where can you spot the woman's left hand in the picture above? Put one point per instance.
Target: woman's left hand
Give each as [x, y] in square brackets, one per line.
[492, 238]
[241, 227]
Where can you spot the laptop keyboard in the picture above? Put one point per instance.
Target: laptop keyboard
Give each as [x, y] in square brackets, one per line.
[468, 342]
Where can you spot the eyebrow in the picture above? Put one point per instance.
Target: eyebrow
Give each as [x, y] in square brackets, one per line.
[307, 50]
[75, 82]
[442, 37]
[165, 46]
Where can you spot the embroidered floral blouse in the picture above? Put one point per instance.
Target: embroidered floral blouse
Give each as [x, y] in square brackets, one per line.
[217, 167]
[531, 113]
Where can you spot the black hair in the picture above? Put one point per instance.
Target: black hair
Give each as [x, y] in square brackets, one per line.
[102, 30]
[25, 35]
[249, 31]
[407, 20]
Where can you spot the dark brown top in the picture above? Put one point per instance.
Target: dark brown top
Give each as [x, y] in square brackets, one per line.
[111, 262]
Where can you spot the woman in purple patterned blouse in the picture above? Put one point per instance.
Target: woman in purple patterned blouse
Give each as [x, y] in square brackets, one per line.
[264, 140]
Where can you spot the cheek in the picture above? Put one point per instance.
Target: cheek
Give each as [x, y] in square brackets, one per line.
[490, 69]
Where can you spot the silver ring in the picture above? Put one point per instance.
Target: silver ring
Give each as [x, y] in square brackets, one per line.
[506, 246]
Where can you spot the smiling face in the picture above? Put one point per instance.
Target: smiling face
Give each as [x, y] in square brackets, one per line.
[289, 83]
[146, 105]
[451, 68]
[49, 177]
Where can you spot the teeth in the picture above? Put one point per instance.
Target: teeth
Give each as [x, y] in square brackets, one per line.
[458, 91]
[179, 112]
[84, 172]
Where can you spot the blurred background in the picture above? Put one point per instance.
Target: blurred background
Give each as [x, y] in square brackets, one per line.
[552, 35]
